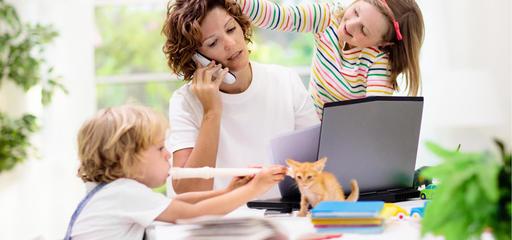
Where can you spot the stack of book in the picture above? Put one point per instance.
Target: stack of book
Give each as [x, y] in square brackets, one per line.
[348, 217]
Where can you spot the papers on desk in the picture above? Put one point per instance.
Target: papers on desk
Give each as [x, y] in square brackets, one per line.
[246, 228]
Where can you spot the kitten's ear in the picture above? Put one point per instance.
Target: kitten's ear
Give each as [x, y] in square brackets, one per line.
[290, 172]
[320, 164]
[291, 162]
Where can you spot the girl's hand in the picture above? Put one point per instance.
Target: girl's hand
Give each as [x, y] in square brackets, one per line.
[206, 87]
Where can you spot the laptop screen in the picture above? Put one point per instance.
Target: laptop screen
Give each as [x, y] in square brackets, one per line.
[373, 140]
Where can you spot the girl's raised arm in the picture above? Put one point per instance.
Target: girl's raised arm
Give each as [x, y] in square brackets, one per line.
[306, 17]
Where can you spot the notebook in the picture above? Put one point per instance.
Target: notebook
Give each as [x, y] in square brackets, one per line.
[373, 140]
[338, 209]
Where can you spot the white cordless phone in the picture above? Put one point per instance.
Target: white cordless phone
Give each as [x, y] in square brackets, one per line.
[229, 78]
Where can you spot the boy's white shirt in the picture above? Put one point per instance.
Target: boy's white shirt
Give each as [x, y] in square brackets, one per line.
[275, 102]
[122, 209]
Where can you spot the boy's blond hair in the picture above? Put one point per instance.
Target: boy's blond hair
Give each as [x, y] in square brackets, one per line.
[110, 143]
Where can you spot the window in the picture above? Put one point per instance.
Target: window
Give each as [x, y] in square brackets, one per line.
[131, 67]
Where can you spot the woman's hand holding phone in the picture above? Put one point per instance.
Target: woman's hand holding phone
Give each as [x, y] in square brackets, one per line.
[229, 78]
[206, 87]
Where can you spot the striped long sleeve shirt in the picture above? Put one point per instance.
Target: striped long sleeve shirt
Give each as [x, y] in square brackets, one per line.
[336, 74]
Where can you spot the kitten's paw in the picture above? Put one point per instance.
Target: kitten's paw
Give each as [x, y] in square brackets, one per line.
[302, 213]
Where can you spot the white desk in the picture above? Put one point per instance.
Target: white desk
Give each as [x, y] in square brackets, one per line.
[295, 227]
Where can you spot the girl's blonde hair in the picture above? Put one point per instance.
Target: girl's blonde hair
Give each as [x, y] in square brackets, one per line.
[110, 143]
[404, 54]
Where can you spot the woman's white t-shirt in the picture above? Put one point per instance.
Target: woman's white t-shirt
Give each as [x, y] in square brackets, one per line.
[122, 209]
[275, 102]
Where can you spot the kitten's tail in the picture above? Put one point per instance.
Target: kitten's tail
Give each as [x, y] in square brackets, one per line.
[354, 195]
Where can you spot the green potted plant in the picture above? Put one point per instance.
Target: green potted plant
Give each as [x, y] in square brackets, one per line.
[473, 194]
[21, 62]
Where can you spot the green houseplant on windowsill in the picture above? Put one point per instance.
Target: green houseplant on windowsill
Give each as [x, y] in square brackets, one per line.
[473, 196]
[21, 62]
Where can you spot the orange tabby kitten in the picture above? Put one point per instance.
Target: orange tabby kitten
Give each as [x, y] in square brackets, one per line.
[316, 186]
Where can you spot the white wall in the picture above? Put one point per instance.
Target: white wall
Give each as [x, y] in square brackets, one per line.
[466, 62]
[38, 197]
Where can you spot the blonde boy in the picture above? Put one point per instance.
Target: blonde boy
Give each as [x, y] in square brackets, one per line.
[122, 156]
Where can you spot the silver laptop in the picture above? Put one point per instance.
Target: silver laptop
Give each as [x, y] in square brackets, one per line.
[373, 140]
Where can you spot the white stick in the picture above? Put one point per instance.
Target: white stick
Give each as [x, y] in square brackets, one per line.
[208, 172]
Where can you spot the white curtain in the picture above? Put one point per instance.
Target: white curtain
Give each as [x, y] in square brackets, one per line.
[38, 197]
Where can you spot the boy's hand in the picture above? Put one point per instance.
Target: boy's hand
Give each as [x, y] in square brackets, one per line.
[269, 176]
[237, 182]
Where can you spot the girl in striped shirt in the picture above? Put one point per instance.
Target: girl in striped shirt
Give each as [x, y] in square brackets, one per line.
[359, 51]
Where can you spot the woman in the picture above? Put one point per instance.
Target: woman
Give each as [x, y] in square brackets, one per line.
[225, 125]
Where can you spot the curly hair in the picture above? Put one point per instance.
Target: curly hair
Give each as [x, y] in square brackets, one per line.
[183, 34]
[110, 143]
